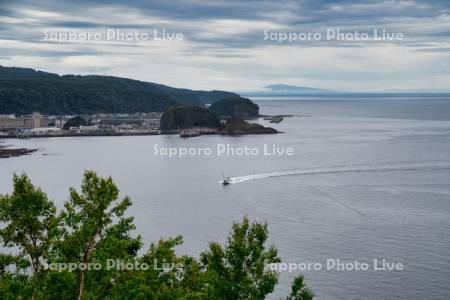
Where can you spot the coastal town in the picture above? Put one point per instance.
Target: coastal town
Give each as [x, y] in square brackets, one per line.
[39, 125]
[186, 121]
[226, 117]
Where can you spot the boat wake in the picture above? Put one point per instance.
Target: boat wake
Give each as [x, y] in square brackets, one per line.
[335, 170]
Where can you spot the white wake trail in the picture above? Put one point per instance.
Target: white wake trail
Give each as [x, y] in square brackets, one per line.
[239, 179]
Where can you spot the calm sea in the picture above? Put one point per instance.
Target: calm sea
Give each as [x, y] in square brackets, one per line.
[369, 179]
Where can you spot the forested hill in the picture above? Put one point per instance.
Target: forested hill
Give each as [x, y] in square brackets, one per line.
[24, 91]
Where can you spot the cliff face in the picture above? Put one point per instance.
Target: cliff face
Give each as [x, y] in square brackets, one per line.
[235, 107]
[188, 116]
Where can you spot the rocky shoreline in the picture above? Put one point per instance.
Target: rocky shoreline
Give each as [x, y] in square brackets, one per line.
[14, 152]
[74, 134]
[233, 126]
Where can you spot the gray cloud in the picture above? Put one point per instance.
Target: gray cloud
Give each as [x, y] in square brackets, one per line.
[231, 33]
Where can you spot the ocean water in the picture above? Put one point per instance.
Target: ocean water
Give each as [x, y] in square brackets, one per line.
[368, 179]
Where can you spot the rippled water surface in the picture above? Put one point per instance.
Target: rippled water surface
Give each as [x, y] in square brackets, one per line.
[369, 179]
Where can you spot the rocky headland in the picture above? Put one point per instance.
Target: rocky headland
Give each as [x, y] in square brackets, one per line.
[182, 117]
[235, 107]
[238, 126]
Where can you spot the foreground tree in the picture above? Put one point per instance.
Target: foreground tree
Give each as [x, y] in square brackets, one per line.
[14, 284]
[30, 223]
[96, 229]
[238, 270]
[168, 276]
[93, 229]
[300, 291]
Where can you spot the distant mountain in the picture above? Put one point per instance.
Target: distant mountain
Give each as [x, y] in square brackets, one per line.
[287, 90]
[23, 91]
[292, 88]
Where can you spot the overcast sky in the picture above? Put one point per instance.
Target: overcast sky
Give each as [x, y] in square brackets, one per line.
[226, 44]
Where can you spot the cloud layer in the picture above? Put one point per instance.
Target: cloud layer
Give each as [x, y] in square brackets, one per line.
[224, 45]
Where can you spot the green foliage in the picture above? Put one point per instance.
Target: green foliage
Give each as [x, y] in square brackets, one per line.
[237, 270]
[75, 122]
[188, 116]
[31, 224]
[23, 91]
[30, 221]
[14, 285]
[96, 229]
[168, 276]
[235, 107]
[300, 291]
[93, 228]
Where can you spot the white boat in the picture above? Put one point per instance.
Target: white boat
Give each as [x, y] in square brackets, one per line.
[226, 180]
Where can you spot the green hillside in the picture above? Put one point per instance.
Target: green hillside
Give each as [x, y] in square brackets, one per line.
[23, 91]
